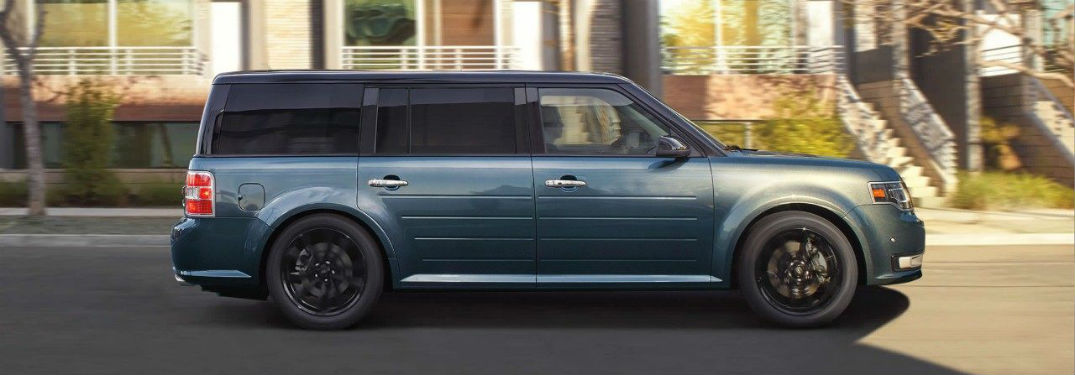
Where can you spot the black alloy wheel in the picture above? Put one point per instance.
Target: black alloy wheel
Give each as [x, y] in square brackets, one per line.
[797, 269]
[324, 271]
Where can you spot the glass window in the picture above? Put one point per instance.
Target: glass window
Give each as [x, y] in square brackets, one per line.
[154, 144]
[392, 121]
[74, 23]
[154, 22]
[463, 121]
[289, 119]
[596, 122]
[379, 23]
[135, 144]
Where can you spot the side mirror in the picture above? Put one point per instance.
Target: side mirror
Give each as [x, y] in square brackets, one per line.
[671, 147]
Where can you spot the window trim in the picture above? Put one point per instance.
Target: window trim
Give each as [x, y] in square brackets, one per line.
[538, 143]
[368, 132]
[216, 108]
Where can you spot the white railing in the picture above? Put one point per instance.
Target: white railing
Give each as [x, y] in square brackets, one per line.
[428, 57]
[752, 60]
[115, 61]
[1012, 54]
[931, 130]
[860, 119]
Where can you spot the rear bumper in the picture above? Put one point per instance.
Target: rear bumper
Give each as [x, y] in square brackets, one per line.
[894, 243]
[215, 253]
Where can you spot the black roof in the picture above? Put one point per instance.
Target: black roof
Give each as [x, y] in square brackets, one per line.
[498, 76]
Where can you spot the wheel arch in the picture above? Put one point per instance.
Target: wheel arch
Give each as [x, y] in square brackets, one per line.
[852, 235]
[357, 217]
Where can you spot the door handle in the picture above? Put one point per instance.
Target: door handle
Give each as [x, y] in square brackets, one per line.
[564, 183]
[387, 183]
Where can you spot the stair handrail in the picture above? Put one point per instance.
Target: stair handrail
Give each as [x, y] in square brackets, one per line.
[862, 122]
[930, 129]
[1041, 91]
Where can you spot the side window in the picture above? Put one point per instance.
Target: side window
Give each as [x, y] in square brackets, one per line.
[596, 122]
[289, 119]
[446, 121]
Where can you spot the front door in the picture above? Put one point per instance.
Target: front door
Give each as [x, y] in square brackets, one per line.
[609, 211]
[449, 177]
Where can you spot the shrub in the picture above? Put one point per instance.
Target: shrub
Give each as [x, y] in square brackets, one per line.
[87, 146]
[13, 194]
[166, 194]
[997, 190]
[804, 123]
[996, 140]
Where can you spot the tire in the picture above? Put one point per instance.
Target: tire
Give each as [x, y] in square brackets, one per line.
[331, 248]
[794, 288]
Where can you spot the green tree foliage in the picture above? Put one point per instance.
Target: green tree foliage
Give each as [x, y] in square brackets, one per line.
[805, 124]
[87, 143]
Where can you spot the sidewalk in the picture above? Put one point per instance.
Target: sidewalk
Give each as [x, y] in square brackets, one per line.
[109, 226]
[100, 212]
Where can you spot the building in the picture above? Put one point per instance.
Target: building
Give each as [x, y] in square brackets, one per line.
[719, 62]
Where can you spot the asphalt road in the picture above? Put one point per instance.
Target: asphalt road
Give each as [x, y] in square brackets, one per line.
[982, 310]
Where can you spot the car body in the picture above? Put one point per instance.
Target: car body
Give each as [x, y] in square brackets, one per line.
[510, 181]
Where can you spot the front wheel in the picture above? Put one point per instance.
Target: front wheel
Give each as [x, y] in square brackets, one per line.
[324, 272]
[797, 269]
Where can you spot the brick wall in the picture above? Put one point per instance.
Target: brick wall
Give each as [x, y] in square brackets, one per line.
[737, 97]
[144, 98]
[287, 34]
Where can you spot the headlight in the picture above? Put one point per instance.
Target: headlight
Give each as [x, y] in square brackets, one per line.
[891, 192]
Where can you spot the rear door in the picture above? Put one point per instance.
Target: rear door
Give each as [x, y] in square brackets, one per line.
[447, 172]
[608, 210]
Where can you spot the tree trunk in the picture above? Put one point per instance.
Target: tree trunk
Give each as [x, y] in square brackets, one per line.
[35, 178]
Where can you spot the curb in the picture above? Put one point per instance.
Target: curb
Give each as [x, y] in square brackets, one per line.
[84, 240]
[155, 240]
[999, 239]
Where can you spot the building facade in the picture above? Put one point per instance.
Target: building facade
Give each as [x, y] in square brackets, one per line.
[719, 62]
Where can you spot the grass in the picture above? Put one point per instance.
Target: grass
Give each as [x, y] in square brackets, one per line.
[998, 190]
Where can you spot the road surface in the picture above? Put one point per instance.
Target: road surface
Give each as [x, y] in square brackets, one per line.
[1002, 309]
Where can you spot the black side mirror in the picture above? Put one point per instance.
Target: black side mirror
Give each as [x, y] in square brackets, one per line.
[671, 147]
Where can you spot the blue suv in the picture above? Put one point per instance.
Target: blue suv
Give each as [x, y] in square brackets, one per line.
[321, 190]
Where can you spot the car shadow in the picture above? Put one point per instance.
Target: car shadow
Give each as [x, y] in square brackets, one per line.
[711, 330]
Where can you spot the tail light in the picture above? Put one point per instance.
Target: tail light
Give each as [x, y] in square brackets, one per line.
[199, 197]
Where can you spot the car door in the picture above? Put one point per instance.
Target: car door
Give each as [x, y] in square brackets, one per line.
[609, 210]
[446, 171]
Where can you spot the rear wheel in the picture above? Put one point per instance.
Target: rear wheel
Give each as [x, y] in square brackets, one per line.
[797, 269]
[325, 272]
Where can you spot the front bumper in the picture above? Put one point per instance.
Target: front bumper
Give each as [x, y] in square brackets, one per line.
[894, 242]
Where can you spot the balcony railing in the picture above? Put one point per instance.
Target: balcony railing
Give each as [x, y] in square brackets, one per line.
[115, 61]
[1012, 54]
[428, 57]
[752, 60]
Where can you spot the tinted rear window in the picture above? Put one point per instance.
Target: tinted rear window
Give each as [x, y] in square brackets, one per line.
[446, 121]
[289, 119]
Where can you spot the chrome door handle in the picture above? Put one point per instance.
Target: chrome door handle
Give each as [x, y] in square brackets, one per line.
[564, 183]
[387, 183]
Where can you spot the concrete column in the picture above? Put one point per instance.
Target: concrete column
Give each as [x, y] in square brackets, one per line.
[333, 37]
[257, 44]
[642, 45]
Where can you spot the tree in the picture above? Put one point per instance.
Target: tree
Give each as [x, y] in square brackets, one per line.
[21, 45]
[951, 23]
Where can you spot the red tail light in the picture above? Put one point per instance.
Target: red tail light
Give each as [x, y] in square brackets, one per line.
[199, 195]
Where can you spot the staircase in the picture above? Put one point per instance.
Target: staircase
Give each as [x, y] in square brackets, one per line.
[876, 142]
[1054, 117]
